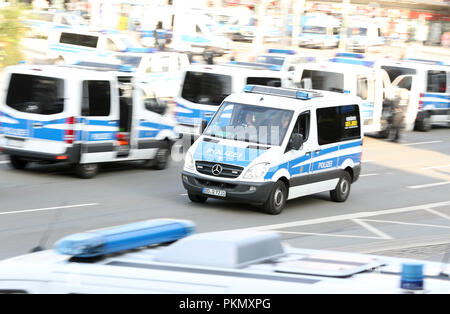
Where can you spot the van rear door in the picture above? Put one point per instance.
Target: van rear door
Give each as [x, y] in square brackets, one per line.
[35, 116]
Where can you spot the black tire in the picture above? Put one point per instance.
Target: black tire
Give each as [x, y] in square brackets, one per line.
[195, 198]
[17, 162]
[342, 190]
[277, 199]
[86, 171]
[424, 124]
[162, 157]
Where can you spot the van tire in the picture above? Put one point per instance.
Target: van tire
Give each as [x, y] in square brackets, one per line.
[195, 198]
[17, 162]
[162, 156]
[342, 190]
[424, 123]
[277, 199]
[86, 171]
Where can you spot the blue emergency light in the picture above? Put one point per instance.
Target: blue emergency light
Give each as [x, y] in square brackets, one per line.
[284, 51]
[353, 61]
[436, 62]
[122, 238]
[350, 55]
[106, 66]
[141, 50]
[283, 92]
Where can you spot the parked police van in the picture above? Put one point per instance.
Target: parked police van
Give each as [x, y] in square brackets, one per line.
[268, 145]
[166, 256]
[427, 85]
[204, 87]
[72, 46]
[351, 74]
[82, 116]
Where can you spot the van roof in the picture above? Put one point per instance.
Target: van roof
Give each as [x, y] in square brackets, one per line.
[228, 69]
[64, 71]
[323, 99]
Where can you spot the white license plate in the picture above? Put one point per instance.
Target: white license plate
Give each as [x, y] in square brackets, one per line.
[15, 143]
[214, 192]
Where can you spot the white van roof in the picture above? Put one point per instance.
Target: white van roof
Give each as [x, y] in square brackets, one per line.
[233, 70]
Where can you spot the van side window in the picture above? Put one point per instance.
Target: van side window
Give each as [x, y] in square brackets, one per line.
[42, 95]
[96, 101]
[362, 87]
[337, 124]
[302, 125]
[79, 40]
[436, 81]
[266, 81]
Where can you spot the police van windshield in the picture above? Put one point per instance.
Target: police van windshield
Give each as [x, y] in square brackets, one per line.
[270, 60]
[134, 61]
[255, 124]
[36, 94]
[206, 88]
[323, 80]
[315, 30]
[356, 31]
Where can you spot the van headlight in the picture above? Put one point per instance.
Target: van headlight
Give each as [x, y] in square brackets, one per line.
[257, 171]
[189, 161]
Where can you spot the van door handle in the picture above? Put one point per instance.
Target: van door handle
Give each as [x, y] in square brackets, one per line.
[38, 125]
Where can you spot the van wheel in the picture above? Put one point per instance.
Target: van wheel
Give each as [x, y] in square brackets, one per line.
[277, 199]
[162, 157]
[424, 124]
[86, 171]
[195, 198]
[17, 162]
[342, 190]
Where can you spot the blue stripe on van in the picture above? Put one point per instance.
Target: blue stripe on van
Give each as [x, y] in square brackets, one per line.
[195, 116]
[442, 96]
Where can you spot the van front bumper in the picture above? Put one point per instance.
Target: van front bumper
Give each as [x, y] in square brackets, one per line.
[245, 192]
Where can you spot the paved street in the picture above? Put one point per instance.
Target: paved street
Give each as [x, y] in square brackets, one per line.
[399, 207]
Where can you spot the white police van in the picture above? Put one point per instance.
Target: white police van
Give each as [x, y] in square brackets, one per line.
[204, 87]
[81, 116]
[166, 256]
[162, 70]
[351, 74]
[284, 60]
[427, 83]
[72, 46]
[267, 145]
[320, 32]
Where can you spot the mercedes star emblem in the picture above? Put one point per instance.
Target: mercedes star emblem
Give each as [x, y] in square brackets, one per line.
[216, 170]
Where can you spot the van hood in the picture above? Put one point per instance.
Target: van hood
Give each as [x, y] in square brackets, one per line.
[230, 152]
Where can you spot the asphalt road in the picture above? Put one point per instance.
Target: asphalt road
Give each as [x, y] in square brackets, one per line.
[399, 207]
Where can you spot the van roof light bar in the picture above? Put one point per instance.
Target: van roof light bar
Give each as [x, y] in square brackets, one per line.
[122, 238]
[284, 51]
[283, 92]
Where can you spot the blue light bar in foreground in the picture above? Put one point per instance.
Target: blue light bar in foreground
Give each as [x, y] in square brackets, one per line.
[122, 238]
[285, 51]
[350, 55]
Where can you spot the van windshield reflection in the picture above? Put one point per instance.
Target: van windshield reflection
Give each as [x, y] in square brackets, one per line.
[249, 123]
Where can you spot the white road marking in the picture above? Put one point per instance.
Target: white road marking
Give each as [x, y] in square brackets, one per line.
[46, 209]
[428, 185]
[184, 194]
[372, 229]
[4, 162]
[408, 223]
[369, 175]
[360, 215]
[328, 235]
[436, 167]
[422, 143]
[435, 212]
[364, 161]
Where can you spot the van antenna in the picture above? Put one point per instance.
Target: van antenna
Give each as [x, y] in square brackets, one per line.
[43, 241]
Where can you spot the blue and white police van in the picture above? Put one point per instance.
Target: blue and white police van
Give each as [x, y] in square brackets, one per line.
[72, 46]
[427, 86]
[81, 116]
[167, 256]
[284, 60]
[355, 75]
[320, 32]
[268, 145]
[204, 87]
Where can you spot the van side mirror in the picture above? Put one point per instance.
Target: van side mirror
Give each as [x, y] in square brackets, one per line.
[203, 126]
[296, 141]
[156, 105]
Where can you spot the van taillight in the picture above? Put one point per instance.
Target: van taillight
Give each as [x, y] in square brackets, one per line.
[69, 133]
[420, 105]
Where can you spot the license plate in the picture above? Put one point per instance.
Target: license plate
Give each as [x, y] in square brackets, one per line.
[214, 192]
[15, 143]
